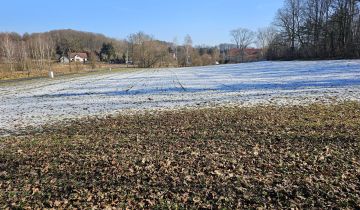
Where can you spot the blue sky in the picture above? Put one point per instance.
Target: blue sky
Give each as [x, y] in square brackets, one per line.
[207, 21]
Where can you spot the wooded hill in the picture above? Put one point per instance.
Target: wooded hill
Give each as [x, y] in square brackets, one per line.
[41, 50]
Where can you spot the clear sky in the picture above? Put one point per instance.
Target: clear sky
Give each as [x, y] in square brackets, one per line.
[207, 21]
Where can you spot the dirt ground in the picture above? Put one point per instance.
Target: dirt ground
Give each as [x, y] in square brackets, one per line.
[299, 157]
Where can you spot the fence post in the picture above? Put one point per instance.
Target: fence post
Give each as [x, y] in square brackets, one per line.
[51, 74]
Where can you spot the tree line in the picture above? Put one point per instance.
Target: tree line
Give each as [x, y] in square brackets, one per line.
[24, 52]
[41, 50]
[316, 29]
[305, 29]
[302, 29]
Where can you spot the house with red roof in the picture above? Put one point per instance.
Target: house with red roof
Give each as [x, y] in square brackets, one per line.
[78, 57]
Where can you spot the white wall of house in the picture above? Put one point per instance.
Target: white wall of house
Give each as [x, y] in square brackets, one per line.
[78, 59]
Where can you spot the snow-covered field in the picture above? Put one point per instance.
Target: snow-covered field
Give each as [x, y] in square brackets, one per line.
[41, 101]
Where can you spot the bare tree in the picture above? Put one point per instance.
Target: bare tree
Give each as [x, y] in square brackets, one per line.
[188, 46]
[175, 48]
[22, 56]
[42, 50]
[49, 50]
[8, 48]
[137, 47]
[265, 36]
[147, 52]
[289, 19]
[243, 38]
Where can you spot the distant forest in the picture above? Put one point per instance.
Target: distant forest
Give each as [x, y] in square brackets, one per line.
[302, 29]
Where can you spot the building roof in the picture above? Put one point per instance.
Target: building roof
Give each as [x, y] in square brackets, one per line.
[248, 51]
[82, 55]
[252, 51]
[234, 52]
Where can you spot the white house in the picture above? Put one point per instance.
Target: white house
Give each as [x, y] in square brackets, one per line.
[78, 57]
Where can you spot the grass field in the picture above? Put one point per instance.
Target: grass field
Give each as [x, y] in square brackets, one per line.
[264, 156]
[57, 68]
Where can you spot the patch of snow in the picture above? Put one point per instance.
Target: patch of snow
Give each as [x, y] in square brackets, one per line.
[42, 101]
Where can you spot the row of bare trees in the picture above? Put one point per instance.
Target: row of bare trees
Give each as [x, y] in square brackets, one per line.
[306, 29]
[188, 55]
[39, 51]
[24, 54]
[145, 52]
[317, 29]
[243, 38]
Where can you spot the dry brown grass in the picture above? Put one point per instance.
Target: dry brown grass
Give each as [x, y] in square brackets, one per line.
[58, 69]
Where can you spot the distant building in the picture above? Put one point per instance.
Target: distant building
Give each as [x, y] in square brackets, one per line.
[250, 54]
[64, 59]
[78, 57]
[234, 55]
[253, 54]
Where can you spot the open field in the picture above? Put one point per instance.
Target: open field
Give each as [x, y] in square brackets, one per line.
[57, 68]
[274, 157]
[37, 102]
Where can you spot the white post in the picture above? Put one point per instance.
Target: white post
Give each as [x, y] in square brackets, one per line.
[51, 74]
